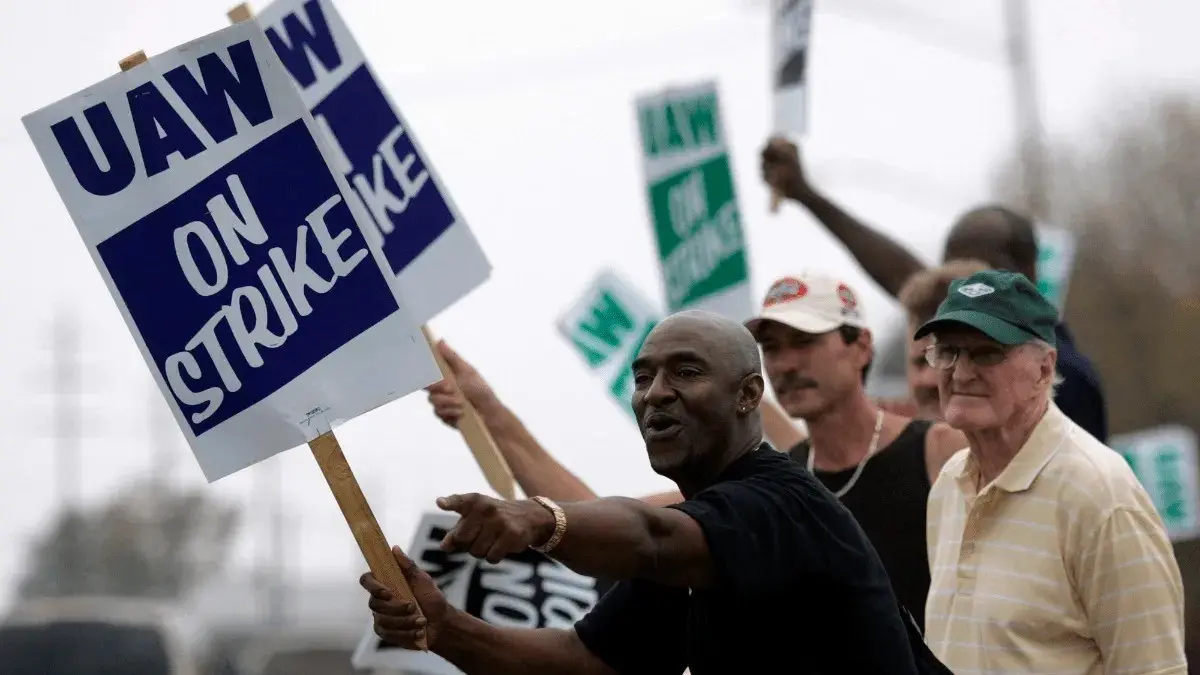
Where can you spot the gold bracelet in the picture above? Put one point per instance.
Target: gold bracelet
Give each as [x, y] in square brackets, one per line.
[560, 525]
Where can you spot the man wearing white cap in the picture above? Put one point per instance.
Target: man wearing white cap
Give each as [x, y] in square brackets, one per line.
[817, 349]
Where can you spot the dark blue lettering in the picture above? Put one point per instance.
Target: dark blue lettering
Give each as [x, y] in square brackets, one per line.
[319, 41]
[151, 112]
[91, 177]
[209, 101]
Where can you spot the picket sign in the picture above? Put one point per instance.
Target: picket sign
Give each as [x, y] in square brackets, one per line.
[525, 590]
[446, 262]
[692, 201]
[340, 477]
[791, 30]
[606, 327]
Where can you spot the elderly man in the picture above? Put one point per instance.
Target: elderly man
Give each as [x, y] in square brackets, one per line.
[757, 568]
[920, 297]
[1047, 555]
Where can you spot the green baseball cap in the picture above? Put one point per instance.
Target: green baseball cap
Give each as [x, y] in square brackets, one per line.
[1005, 306]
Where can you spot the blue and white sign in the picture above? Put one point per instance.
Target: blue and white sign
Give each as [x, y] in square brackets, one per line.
[429, 247]
[209, 205]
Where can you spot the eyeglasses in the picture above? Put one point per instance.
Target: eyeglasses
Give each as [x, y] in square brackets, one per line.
[943, 357]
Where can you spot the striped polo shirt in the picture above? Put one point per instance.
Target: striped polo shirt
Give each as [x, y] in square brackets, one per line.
[1060, 566]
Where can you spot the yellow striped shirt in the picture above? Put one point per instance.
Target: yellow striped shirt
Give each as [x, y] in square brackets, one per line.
[1060, 566]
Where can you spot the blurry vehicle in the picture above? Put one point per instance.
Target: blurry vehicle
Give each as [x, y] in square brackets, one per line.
[296, 653]
[105, 636]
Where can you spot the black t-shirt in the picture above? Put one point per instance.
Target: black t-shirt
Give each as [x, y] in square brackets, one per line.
[1080, 395]
[799, 589]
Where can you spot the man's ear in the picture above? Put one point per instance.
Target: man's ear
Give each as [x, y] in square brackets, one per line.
[751, 392]
[867, 341]
[1049, 366]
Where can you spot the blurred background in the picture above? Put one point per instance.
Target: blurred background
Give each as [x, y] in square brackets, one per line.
[1084, 114]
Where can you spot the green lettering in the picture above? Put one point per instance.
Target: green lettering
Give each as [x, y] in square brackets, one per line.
[608, 323]
[621, 386]
[1172, 507]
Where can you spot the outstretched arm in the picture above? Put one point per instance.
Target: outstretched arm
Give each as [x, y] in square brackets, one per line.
[885, 260]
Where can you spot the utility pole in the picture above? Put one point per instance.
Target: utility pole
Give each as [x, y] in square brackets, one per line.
[67, 431]
[272, 568]
[68, 409]
[163, 439]
[1031, 133]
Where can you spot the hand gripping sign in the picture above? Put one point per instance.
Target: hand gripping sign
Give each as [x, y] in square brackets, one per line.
[258, 299]
[431, 252]
[526, 590]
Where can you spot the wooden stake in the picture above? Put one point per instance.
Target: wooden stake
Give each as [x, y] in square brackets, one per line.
[475, 433]
[346, 491]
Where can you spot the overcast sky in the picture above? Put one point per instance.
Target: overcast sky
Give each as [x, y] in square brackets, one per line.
[525, 108]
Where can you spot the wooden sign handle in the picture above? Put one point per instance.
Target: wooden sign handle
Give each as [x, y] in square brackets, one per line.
[475, 433]
[342, 482]
[776, 200]
[357, 511]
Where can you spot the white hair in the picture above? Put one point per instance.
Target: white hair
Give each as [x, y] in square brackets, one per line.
[1045, 347]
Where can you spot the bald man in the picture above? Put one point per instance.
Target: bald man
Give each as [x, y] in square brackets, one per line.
[758, 567]
[998, 236]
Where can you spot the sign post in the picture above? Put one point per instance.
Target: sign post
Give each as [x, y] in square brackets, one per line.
[791, 28]
[434, 257]
[262, 308]
[693, 204]
[1165, 461]
[607, 326]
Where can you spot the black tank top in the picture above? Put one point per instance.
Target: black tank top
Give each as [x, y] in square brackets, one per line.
[889, 503]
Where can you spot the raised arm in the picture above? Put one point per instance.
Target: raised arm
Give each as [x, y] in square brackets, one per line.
[536, 471]
[885, 260]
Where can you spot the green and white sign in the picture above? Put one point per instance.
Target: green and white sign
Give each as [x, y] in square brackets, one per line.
[693, 204]
[1056, 256]
[1164, 459]
[607, 327]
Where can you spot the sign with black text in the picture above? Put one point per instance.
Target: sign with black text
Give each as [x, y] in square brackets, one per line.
[791, 30]
[200, 185]
[528, 590]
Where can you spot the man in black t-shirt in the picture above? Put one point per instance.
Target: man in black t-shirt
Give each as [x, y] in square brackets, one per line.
[759, 569]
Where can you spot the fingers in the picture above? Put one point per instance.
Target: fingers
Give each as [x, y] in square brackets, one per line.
[403, 609]
[372, 586]
[407, 638]
[456, 362]
[460, 504]
[407, 566]
[442, 388]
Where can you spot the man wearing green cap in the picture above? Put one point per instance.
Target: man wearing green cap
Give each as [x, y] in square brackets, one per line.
[1045, 551]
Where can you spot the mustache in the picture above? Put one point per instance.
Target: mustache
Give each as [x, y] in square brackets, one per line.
[791, 380]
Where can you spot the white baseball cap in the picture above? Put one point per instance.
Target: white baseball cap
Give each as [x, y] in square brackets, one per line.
[811, 302]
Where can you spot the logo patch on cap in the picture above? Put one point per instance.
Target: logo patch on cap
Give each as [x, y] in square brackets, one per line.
[976, 289]
[785, 290]
[849, 302]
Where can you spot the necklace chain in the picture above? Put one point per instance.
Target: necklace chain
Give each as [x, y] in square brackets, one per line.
[812, 453]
